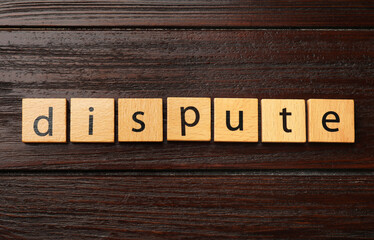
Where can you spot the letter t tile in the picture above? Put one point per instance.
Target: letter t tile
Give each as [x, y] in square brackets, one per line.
[283, 120]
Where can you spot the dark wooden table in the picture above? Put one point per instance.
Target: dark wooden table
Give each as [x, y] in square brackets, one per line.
[186, 190]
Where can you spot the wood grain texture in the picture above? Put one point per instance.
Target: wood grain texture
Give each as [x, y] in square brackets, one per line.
[162, 63]
[196, 13]
[182, 207]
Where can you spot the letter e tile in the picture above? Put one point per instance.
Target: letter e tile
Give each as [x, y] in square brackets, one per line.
[331, 120]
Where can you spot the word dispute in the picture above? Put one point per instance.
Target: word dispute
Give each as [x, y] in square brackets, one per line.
[188, 119]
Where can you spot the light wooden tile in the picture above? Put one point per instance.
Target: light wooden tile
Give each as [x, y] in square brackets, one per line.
[283, 120]
[92, 120]
[44, 120]
[331, 120]
[236, 120]
[197, 117]
[140, 120]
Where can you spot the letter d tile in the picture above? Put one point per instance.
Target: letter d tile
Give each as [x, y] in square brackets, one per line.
[44, 120]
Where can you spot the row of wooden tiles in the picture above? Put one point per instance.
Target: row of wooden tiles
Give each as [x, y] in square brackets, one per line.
[56, 206]
[271, 64]
[188, 119]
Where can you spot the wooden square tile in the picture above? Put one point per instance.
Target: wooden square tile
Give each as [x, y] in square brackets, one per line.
[283, 120]
[44, 120]
[236, 120]
[92, 120]
[331, 120]
[188, 119]
[140, 120]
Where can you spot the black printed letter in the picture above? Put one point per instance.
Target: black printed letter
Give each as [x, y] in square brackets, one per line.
[90, 122]
[142, 125]
[284, 113]
[49, 119]
[183, 119]
[325, 120]
[240, 125]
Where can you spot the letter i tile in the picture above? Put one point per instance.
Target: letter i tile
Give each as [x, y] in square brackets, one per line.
[92, 120]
